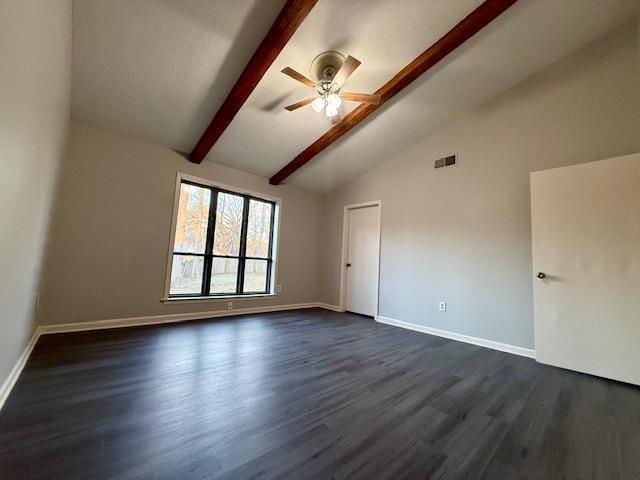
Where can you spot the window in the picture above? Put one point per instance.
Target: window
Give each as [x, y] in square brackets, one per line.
[223, 243]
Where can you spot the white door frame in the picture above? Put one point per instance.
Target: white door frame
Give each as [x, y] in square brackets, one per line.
[345, 245]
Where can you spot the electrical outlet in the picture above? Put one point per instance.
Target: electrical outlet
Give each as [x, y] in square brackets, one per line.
[279, 288]
[229, 305]
[442, 306]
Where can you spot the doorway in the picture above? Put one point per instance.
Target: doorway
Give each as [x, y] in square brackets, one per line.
[361, 259]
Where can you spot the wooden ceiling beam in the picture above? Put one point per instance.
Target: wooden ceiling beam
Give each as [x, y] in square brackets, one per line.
[289, 19]
[469, 26]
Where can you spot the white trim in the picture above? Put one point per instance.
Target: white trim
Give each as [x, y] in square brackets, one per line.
[482, 342]
[231, 188]
[345, 246]
[217, 298]
[172, 318]
[172, 235]
[328, 306]
[11, 380]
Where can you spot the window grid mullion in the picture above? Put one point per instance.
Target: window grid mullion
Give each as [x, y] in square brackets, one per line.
[208, 258]
[243, 246]
[268, 286]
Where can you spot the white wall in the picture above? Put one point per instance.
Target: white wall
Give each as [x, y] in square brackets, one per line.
[110, 233]
[35, 70]
[463, 234]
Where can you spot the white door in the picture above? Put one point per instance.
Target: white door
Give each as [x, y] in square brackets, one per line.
[363, 251]
[586, 244]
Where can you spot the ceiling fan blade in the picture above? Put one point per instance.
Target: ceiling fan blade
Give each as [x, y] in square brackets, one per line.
[347, 68]
[299, 77]
[371, 98]
[301, 103]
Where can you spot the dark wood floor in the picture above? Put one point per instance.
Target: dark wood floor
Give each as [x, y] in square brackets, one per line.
[307, 394]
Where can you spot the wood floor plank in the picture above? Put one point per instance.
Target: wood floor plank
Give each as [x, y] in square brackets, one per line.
[307, 394]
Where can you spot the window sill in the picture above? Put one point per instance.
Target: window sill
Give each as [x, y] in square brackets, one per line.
[217, 298]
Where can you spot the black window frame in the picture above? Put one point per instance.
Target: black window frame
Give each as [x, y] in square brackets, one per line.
[208, 255]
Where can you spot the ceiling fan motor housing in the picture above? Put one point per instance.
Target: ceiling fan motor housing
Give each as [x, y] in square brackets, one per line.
[328, 72]
[325, 66]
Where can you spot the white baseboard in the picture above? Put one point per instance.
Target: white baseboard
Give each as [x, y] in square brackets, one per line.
[11, 380]
[328, 306]
[482, 342]
[173, 318]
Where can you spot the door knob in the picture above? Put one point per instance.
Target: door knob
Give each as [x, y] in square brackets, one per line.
[541, 275]
[348, 264]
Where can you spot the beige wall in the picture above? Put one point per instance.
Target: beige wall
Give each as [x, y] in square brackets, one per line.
[35, 68]
[108, 252]
[463, 234]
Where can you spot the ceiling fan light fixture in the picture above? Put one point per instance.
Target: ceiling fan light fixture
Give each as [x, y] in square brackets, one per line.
[333, 101]
[318, 104]
[330, 111]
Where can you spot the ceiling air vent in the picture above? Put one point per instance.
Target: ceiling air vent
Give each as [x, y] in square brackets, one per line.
[446, 161]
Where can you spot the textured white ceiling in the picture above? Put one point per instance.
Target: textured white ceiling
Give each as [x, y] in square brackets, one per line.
[159, 69]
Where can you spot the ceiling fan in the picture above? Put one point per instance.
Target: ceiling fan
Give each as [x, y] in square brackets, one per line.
[330, 71]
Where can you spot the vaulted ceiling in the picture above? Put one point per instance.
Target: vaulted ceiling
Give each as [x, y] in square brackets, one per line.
[159, 70]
